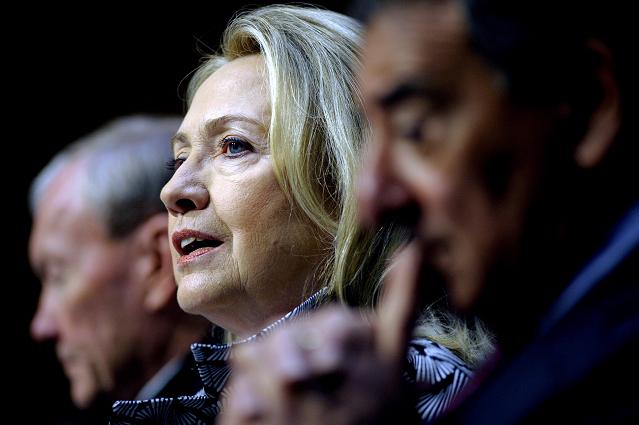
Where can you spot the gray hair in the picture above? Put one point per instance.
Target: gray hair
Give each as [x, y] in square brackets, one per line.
[124, 166]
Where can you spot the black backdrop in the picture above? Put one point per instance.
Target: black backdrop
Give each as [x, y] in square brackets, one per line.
[70, 71]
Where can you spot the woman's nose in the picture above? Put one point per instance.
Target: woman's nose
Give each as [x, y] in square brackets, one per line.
[184, 192]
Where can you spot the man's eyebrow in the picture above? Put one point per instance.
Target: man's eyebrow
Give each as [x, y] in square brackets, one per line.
[408, 90]
[209, 127]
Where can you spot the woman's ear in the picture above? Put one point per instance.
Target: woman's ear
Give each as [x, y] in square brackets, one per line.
[605, 120]
[156, 271]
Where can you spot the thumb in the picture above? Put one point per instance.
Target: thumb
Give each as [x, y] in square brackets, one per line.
[401, 299]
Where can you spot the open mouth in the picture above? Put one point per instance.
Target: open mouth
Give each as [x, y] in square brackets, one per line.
[189, 245]
[187, 242]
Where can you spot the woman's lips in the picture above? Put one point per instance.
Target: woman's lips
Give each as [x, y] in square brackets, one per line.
[184, 259]
[191, 244]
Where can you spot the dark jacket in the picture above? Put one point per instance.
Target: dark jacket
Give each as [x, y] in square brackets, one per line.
[582, 368]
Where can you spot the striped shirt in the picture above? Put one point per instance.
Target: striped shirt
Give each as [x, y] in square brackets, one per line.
[429, 365]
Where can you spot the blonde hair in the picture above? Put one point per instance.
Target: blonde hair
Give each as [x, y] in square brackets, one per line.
[316, 134]
[469, 339]
[316, 131]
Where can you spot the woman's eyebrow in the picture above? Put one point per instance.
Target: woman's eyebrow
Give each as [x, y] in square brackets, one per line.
[212, 124]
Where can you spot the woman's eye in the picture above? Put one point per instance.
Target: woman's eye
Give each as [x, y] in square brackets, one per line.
[173, 164]
[235, 147]
[232, 146]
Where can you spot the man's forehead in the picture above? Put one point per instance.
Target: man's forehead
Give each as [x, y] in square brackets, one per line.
[64, 187]
[419, 21]
[403, 42]
[63, 209]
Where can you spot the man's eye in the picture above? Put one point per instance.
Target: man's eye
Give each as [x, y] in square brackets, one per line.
[413, 132]
[55, 278]
[409, 122]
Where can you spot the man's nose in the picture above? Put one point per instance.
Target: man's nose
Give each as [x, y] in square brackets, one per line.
[44, 324]
[380, 194]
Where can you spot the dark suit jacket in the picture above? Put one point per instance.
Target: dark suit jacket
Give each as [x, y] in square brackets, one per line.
[583, 367]
[185, 380]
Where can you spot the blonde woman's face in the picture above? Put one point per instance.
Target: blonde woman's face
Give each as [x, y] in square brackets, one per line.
[241, 256]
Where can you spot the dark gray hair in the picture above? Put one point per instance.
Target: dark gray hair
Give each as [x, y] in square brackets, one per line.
[124, 167]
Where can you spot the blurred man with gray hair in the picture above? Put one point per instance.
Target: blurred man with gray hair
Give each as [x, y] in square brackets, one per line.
[99, 245]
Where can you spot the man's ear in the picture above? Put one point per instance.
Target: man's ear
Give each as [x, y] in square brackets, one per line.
[155, 268]
[605, 120]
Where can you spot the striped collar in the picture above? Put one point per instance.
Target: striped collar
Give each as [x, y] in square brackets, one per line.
[212, 359]
[212, 362]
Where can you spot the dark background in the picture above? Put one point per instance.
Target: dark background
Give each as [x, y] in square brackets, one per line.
[70, 71]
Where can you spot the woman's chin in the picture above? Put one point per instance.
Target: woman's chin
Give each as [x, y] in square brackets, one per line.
[193, 296]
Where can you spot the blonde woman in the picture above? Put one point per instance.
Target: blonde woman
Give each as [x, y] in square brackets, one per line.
[261, 205]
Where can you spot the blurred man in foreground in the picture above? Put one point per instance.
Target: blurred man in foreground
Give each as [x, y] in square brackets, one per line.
[505, 138]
